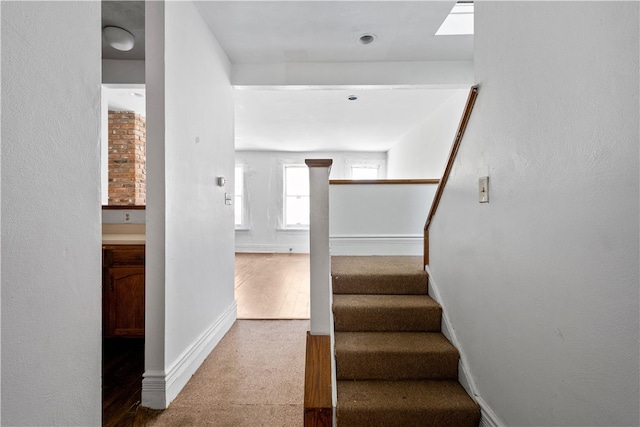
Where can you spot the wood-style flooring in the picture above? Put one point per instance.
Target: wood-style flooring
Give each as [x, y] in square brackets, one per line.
[267, 286]
[122, 369]
[272, 286]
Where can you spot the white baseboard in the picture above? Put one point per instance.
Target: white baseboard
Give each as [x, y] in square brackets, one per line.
[160, 388]
[376, 245]
[488, 418]
[272, 248]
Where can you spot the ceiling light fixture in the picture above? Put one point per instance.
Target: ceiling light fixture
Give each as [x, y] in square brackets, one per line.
[352, 98]
[118, 38]
[367, 38]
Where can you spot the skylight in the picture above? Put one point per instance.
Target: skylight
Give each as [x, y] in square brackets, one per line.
[459, 21]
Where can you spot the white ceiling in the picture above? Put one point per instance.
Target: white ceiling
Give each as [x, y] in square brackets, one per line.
[325, 120]
[328, 31]
[127, 99]
[305, 31]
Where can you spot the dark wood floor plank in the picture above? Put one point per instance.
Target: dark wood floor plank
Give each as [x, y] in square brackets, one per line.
[122, 369]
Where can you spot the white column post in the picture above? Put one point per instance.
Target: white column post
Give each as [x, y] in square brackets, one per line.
[320, 260]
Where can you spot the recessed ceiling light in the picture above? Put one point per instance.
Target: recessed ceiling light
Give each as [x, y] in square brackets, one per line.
[367, 38]
[352, 98]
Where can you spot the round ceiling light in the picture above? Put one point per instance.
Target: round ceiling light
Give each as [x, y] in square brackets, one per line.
[118, 38]
[367, 38]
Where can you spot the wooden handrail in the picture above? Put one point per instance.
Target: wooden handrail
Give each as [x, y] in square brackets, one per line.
[382, 181]
[471, 99]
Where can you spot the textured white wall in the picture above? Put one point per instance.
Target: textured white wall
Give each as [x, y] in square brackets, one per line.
[378, 219]
[51, 290]
[380, 209]
[104, 146]
[423, 151]
[541, 284]
[263, 182]
[190, 231]
[199, 147]
[447, 73]
[155, 216]
[123, 71]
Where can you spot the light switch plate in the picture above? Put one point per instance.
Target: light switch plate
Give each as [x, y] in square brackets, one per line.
[227, 198]
[483, 189]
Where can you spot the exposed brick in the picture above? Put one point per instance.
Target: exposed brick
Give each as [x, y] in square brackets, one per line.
[127, 158]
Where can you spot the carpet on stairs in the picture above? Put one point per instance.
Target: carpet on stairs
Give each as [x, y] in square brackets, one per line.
[394, 366]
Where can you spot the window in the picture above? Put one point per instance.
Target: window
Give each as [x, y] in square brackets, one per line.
[296, 196]
[364, 171]
[459, 21]
[239, 196]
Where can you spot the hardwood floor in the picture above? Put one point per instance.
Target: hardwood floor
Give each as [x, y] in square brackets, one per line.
[122, 368]
[272, 286]
[267, 286]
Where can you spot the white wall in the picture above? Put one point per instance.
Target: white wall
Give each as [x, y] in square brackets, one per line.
[450, 74]
[423, 151]
[378, 219]
[263, 189]
[541, 284]
[104, 145]
[117, 216]
[123, 71]
[50, 254]
[190, 231]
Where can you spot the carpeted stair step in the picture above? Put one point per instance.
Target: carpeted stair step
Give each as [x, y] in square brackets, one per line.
[359, 313]
[378, 275]
[394, 356]
[405, 403]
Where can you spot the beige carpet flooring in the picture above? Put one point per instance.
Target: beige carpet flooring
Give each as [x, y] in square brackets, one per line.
[254, 377]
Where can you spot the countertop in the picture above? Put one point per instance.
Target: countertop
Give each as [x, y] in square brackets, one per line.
[123, 234]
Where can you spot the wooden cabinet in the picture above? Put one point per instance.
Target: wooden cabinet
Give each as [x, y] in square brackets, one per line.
[123, 290]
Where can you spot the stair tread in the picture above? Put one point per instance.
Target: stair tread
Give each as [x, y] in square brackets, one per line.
[395, 356]
[392, 342]
[437, 403]
[384, 265]
[355, 312]
[378, 275]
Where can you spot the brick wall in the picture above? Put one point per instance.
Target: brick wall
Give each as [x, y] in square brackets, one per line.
[127, 158]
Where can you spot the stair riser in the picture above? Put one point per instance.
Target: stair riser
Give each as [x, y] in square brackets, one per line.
[371, 417]
[358, 366]
[410, 285]
[365, 320]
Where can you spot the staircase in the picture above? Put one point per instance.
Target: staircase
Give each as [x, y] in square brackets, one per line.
[394, 366]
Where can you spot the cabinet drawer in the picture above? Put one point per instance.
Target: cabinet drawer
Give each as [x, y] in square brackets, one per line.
[123, 255]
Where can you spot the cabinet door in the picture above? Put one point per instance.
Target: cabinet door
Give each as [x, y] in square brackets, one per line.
[125, 302]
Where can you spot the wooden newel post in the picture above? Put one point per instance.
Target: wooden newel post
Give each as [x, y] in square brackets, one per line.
[318, 391]
[320, 260]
